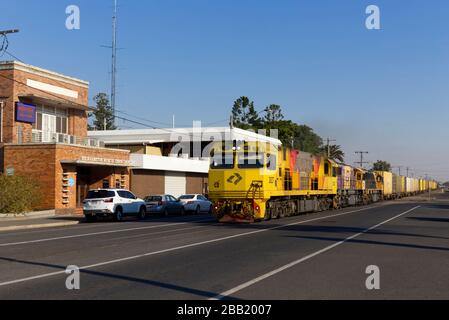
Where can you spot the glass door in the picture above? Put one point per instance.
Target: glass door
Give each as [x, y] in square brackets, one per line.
[48, 128]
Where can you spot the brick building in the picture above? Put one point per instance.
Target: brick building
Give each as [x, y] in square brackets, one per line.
[43, 135]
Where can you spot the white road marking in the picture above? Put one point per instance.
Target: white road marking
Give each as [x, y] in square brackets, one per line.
[98, 233]
[310, 256]
[46, 275]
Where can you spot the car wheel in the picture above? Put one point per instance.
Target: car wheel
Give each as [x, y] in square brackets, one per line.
[90, 218]
[198, 210]
[142, 213]
[118, 214]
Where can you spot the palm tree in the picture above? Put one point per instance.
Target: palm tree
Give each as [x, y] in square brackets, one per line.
[333, 152]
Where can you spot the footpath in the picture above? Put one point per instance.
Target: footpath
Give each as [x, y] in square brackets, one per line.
[36, 220]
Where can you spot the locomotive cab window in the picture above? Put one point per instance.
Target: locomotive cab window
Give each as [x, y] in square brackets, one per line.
[251, 160]
[222, 161]
[271, 161]
[326, 168]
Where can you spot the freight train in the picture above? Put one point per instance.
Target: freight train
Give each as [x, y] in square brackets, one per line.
[255, 181]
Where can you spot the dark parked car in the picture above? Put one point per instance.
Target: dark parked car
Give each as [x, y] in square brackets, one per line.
[164, 204]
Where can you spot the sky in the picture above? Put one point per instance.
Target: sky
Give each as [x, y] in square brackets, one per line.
[383, 91]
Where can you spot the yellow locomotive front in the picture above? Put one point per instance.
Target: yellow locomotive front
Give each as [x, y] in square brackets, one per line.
[241, 179]
[254, 181]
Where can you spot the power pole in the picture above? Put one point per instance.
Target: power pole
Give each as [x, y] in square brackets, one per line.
[114, 59]
[399, 169]
[4, 33]
[329, 140]
[408, 169]
[361, 153]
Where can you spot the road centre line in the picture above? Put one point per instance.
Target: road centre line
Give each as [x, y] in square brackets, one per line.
[308, 257]
[46, 275]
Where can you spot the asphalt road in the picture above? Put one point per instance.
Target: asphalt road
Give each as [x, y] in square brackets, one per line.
[317, 256]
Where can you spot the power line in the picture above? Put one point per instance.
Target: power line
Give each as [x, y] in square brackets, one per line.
[361, 162]
[329, 140]
[5, 42]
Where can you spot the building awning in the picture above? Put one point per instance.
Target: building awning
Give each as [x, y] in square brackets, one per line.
[54, 102]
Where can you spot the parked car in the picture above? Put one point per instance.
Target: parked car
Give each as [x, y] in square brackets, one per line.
[117, 203]
[164, 204]
[196, 203]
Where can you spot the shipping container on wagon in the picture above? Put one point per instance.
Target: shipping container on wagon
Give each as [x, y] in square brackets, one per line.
[415, 185]
[398, 185]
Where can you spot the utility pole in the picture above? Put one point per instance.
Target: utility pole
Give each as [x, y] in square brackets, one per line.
[361, 153]
[114, 59]
[399, 168]
[408, 169]
[329, 140]
[4, 34]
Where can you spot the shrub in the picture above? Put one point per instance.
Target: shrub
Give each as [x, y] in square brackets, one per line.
[18, 194]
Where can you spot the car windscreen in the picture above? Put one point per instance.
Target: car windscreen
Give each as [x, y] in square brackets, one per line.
[100, 194]
[153, 199]
[186, 197]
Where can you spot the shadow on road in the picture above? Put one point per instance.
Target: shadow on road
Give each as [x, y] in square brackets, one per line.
[373, 242]
[426, 219]
[193, 291]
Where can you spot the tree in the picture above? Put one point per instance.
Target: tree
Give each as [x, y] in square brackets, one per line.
[335, 152]
[103, 114]
[273, 113]
[381, 166]
[244, 114]
[289, 133]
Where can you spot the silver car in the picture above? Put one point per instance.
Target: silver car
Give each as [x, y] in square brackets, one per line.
[164, 204]
[196, 203]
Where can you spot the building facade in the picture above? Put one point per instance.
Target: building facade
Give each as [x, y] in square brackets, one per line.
[43, 135]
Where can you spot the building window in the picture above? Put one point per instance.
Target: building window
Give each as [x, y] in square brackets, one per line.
[50, 121]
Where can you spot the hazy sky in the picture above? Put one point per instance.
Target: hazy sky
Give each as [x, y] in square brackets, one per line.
[383, 91]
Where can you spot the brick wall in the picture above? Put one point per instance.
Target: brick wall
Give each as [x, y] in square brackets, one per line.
[147, 182]
[11, 90]
[7, 96]
[37, 163]
[44, 163]
[196, 182]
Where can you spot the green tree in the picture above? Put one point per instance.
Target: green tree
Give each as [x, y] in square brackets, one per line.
[244, 114]
[273, 114]
[335, 152]
[300, 137]
[103, 114]
[289, 133]
[380, 165]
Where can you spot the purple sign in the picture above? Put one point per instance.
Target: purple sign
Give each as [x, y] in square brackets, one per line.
[25, 112]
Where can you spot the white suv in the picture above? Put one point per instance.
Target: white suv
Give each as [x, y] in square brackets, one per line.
[117, 203]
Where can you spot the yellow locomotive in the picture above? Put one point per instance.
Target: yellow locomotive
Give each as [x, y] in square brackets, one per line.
[254, 181]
